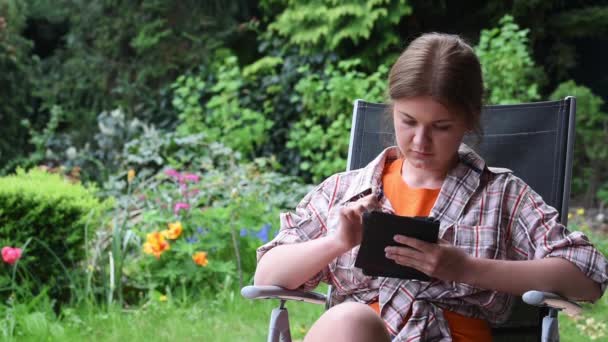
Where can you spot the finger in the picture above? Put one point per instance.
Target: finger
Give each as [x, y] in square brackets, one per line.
[370, 201]
[444, 242]
[363, 207]
[416, 264]
[420, 245]
[405, 252]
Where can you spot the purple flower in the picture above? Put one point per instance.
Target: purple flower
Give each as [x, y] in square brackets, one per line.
[183, 187]
[191, 239]
[202, 231]
[263, 233]
[173, 174]
[244, 232]
[179, 206]
[191, 177]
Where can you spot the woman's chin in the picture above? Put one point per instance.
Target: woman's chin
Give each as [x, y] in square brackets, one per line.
[421, 163]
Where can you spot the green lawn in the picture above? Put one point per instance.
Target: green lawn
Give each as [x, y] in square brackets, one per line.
[591, 325]
[231, 318]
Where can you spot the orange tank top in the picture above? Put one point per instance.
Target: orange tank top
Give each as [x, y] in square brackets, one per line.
[408, 201]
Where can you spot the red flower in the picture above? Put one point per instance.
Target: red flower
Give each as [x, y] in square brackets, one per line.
[10, 255]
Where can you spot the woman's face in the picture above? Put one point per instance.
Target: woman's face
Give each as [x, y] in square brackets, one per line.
[428, 134]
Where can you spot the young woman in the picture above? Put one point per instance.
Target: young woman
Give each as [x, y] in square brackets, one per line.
[498, 237]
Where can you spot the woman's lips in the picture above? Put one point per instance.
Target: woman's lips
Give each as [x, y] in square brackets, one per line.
[421, 154]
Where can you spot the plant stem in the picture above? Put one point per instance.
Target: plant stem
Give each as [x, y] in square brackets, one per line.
[235, 244]
[111, 293]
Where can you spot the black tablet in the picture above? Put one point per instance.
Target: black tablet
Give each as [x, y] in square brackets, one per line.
[378, 231]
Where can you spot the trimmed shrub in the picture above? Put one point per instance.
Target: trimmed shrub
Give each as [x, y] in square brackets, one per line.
[56, 216]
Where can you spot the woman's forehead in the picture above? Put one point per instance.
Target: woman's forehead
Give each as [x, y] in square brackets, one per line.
[423, 107]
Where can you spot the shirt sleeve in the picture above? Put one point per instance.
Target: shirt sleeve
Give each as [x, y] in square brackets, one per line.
[539, 234]
[307, 222]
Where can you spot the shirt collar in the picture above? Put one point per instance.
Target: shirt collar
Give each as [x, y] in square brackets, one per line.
[461, 182]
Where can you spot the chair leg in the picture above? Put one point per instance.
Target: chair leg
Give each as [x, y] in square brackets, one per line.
[550, 327]
[278, 329]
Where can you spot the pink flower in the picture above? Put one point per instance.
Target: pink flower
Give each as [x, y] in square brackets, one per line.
[179, 206]
[173, 173]
[191, 177]
[10, 255]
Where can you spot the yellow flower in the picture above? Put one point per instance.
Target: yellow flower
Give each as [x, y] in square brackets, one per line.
[174, 231]
[200, 258]
[162, 298]
[130, 175]
[569, 216]
[580, 211]
[155, 244]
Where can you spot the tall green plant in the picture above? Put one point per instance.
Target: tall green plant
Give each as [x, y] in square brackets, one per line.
[327, 25]
[510, 74]
[18, 71]
[222, 118]
[591, 142]
[321, 135]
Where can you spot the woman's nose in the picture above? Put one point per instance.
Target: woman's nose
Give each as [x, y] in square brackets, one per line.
[421, 136]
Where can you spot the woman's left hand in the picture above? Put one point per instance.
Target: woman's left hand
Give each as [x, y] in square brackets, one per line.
[441, 260]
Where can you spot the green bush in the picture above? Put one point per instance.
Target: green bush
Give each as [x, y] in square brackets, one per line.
[326, 25]
[590, 165]
[18, 72]
[222, 118]
[510, 75]
[56, 216]
[235, 105]
[322, 132]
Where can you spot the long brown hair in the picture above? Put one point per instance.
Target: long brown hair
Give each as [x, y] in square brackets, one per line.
[444, 67]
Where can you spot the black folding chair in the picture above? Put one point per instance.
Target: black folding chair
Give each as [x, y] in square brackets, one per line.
[535, 140]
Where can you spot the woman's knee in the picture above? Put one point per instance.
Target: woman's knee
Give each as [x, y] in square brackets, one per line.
[349, 322]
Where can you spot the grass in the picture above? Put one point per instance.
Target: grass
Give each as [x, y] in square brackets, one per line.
[231, 318]
[228, 317]
[589, 326]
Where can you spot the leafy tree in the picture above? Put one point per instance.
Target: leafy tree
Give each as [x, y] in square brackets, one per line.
[367, 27]
[110, 56]
[222, 118]
[17, 77]
[591, 147]
[510, 75]
[321, 135]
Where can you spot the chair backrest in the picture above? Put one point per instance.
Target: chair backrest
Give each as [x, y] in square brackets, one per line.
[535, 140]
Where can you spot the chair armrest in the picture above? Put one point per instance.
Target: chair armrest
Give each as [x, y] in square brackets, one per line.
[277, 292]
[552, 300]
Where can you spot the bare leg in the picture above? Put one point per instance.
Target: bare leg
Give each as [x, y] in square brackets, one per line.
[348, 322]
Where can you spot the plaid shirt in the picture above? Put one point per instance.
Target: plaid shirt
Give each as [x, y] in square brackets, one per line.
[487, 212]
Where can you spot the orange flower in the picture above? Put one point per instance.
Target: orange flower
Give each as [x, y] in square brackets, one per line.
[155, 244]
[200, 258]
[174, 231]
[130, 175]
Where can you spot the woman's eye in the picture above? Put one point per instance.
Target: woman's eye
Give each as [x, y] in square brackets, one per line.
[409, 122]
[443, 128]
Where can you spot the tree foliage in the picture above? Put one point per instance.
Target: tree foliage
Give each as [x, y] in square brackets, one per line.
[18, 73]
[509, 72]
[327, 25]
[321, 135]
[591, 147]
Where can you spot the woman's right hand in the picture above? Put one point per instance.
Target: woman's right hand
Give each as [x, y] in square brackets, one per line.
[350, 230]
